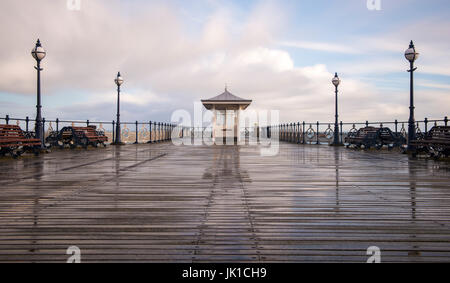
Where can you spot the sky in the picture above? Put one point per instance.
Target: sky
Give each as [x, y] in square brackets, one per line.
[280, 54]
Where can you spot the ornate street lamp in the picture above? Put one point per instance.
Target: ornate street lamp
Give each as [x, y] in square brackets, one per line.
[411, 55]
[38, 53]
[336, 81]
[119, 81]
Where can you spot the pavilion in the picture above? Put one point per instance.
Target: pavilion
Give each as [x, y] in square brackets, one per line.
[226, 108]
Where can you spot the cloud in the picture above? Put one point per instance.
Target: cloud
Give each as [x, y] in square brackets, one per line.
[170, 58]
[321, 46]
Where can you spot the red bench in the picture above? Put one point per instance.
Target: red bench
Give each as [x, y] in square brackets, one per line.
[91, 134]
[77, 136]
[436, 142]
[13, 141]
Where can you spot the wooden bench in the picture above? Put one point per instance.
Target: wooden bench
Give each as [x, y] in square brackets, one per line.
[13, 141]
[77, 136]
[368, 137]
[436, 142]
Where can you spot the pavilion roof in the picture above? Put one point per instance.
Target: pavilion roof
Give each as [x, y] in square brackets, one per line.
[227, 97]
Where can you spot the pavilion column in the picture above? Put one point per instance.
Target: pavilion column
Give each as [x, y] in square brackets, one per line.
[214, 123]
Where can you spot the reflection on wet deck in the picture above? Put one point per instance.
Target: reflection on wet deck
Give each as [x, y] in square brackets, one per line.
[224, 203]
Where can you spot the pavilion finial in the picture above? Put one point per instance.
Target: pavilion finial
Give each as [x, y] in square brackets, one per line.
[226, 87]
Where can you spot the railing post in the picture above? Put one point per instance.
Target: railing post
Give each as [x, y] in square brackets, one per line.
[7, 119]
[396, 126]
[87, 123]
[292, 132]
[446, 121]
[367, 123]
[426, 125]
[27, 121]
[282, 132]
[286, 126]
[113, 131]
[57, 124]
[303, 133]
[289, 131]
[150, 131]
[137, 133]
[43, 128]
[285, 132]
[342, 134]
[157, 132]
[279, 132]
[317, 133]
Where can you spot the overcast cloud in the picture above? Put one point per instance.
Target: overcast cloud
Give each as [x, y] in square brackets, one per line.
[171, 55]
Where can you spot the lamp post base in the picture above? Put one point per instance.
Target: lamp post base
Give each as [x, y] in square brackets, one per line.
[118, 143]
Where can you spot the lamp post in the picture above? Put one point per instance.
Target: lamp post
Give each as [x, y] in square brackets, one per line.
[411, 55]
[38, 53]
[119, 82]
[336, 81]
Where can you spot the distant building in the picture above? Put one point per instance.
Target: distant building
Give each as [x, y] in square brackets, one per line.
[225, 108]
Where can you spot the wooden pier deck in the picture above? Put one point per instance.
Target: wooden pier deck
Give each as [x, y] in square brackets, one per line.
[163, 203]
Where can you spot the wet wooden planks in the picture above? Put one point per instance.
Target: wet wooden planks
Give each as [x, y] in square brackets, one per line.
[147, 203]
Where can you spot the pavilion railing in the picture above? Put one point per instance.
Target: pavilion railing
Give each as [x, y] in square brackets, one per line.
[295, 132]
[323, 133]
[131, 132]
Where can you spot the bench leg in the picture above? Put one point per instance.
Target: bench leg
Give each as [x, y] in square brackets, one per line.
[15, 153]
[84, 143]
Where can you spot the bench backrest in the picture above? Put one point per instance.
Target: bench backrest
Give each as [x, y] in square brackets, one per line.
[439, 132]
[367, 131]
[10, 131]
[90, 131]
